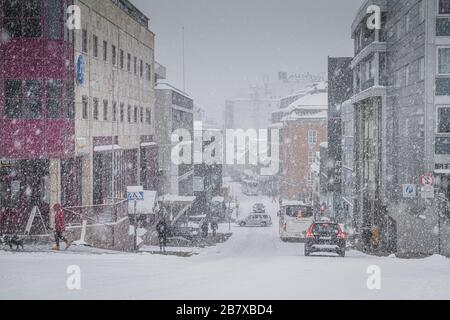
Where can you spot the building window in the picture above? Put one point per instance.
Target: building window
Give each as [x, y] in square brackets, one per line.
[400, 28]
[84, 41]
[129, 62]
[95, 115]
[122, 112]
[310, 178]
[148, 72]
[23, 99]
[121, 59]
[408, 74]
[443, 20]
[135, 114]
[408, 22]
[114, 111]
[85, 107]
[444, 7]
[422, 68]
[444, 119]
[114, 55]
[129, 114]
[33, 99]
[312, 137]
[142, 114]
[444, 61]
[69, 99]
[421, 11]
[148, 116]
[22, 18]
[141, 69]
[105, 51]
[53, 98]
[53, 21]
[135, 65]
[31, 19]
[105, 110]
[95, 46]
[311, 157]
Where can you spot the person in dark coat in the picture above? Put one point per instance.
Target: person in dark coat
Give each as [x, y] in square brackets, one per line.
[60, 227]
[162, 230]
[205, 229]
[214, 227]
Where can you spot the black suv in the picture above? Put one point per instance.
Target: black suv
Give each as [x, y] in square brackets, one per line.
[325, 237]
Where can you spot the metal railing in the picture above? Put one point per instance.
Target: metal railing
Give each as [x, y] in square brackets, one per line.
[97, 214]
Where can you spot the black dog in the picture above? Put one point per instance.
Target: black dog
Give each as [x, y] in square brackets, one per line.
[13, 241]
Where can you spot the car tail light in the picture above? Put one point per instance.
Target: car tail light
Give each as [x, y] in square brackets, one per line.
[310, 234]
[341, 235]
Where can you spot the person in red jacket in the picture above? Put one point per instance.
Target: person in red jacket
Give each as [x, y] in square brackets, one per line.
[60, 227]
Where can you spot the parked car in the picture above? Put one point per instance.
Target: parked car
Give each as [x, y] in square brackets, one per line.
[256, 220]
[259, 208]
[189, 232]
[325, 237]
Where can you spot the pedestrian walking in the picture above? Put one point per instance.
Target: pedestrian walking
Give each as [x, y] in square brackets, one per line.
[60, 227]
[205, 229]
[162, 230]
[214, 228]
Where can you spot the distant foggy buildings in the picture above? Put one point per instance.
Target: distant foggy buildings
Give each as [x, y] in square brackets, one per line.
[253, 109]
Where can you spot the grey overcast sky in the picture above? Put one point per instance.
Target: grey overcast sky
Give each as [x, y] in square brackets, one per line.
[232, 42]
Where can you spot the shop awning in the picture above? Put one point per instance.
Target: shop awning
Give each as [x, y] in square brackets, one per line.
[107, 148]
[442, 171]
[148, 144]
[170, 198]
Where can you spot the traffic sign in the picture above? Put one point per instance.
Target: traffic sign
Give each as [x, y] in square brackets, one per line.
[135, 196]
[409, 191]
[427, 180]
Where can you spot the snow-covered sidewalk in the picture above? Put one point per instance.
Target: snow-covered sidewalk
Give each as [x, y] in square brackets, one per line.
[253, 264]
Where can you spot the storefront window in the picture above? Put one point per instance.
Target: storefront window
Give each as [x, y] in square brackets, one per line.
[45, 189]
[3, 194]
[15, 193]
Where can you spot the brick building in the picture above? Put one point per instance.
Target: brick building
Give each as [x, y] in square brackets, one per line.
[304, 129]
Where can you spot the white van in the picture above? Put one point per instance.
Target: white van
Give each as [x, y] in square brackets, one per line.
[295, 219]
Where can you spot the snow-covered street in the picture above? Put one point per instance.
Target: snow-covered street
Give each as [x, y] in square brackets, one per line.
[253, 264]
